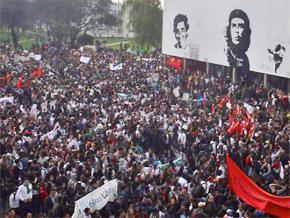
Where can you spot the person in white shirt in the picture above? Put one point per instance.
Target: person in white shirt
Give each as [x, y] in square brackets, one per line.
[14, 202]
[24, 194]
[181, 138]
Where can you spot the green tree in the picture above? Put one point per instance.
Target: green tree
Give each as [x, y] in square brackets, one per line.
[145, 16]
[15, 14]
[66, 19]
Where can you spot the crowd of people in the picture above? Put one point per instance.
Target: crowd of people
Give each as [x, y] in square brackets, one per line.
[73, 126]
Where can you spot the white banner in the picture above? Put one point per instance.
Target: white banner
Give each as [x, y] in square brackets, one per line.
[84, 59]
[97, 199]
[246, 34]
[116, 67]
[18, 58]
[5, 100]
[51, 134]
[178, 163]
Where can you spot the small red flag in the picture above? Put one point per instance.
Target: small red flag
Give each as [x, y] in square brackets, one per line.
[37, 72]
[20, 82]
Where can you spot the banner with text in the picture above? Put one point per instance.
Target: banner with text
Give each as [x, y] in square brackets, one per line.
[178, 163]
[97, 199]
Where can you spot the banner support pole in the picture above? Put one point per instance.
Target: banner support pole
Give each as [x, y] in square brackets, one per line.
[207, 68]
[164, 59]
[234, 75]
[265, 81]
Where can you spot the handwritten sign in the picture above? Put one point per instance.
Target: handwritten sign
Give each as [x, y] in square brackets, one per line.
[97, 199]
[178, 163]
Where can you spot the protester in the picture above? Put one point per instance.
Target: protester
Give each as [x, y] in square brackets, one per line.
[72, 126]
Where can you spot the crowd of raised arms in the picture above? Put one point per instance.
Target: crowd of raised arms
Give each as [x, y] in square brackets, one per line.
[68, 127]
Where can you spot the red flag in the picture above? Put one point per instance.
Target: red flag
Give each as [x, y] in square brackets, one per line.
[20, 82]
[37, 72]
[222, 102]
[212, 109]
[253, 195]
[240, 128]
[175, 62]
[8, 76]
[233, 128]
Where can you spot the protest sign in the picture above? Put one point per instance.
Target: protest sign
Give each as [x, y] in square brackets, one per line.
[97, 199]
[185, 96]
[37, 57]
[84, 59]
[5, 100]
[116, 67]
[178, 163]
[176, 92]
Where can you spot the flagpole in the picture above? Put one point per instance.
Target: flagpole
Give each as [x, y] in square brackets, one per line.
[265, 84]
[234, 75]
[207, 66]
[184, 64]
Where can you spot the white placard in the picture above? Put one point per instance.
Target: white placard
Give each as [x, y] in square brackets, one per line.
[37, 57]
[84, 59]
[263, 45]
[97, 199]
[185, 97]
[176, 92]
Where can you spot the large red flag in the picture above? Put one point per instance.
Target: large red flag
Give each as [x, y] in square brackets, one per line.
[253, 195]
[175, 62]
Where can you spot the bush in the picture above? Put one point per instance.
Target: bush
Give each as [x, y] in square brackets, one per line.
[85, 39]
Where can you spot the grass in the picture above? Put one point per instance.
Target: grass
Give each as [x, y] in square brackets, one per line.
[24, 41]
[114, 43]
[27, 40]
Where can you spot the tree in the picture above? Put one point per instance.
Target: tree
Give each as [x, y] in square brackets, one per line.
[66, 19]
[15, 15]
[145, 16]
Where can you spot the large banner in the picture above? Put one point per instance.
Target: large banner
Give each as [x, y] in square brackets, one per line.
[246, 34]
[97, 199]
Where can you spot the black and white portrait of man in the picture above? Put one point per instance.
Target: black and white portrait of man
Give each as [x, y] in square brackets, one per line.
[180, 28]
[237, 36]
[277, 55]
